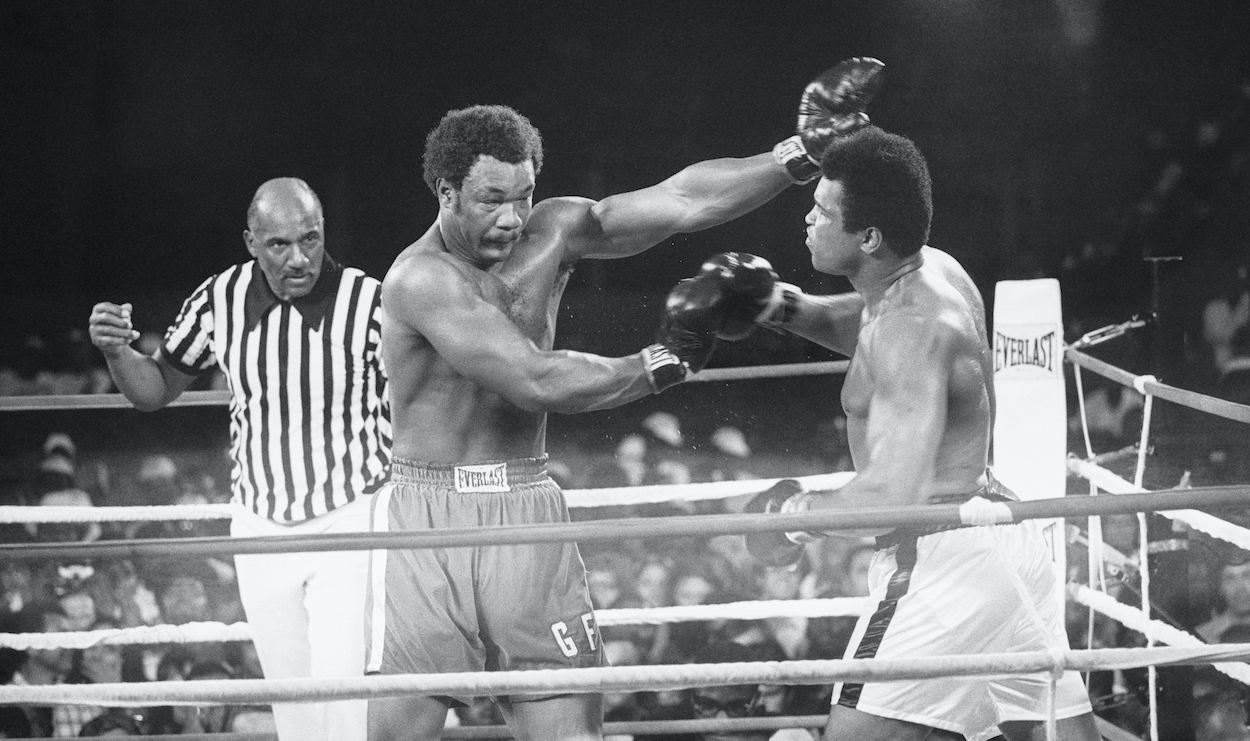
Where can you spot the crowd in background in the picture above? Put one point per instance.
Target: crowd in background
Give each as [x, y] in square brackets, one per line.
[1211, 599]
[74, 595]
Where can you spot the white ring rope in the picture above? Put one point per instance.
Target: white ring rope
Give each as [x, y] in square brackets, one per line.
[611, 679]
[1132, 617]
[212, 631]
[608, 496]
[1200, 521]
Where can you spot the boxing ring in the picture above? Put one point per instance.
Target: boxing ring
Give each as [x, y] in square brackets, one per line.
[1185, 505]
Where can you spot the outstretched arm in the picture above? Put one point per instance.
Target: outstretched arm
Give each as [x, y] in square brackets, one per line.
[716, 191]
[829, 321]
[700, 196]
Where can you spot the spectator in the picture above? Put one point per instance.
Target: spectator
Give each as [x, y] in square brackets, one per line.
[73, 366]
[1226, 324]
[21, 376]
[17, 588]
[78, 607]
[113, 722]
[631, 458]
[43, 666]
[729, 458]
[654, 588]
[98, 664]
[732, 701]
[65, 532]
[1232, 603]
[1220, 716]
[253, 719]
[205, 718]
[14, 723]
[694, 583]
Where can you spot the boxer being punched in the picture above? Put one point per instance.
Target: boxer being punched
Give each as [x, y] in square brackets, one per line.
[468, 328]
[919, 404]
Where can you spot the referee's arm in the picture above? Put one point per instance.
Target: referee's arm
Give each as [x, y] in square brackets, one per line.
[149, 382]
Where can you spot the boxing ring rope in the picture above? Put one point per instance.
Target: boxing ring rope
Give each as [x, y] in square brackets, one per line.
[199, 632]
[1188, 499]
[1150, 385]
[574, 498]
[221, 397]
[613, 679]
[975, 512]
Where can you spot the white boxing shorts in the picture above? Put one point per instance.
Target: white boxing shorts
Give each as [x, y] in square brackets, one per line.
[977, 590]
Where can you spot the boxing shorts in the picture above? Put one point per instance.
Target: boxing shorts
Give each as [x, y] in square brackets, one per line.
[474, 608]
[970, 590]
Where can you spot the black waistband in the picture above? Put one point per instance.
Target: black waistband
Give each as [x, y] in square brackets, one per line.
[993, 490]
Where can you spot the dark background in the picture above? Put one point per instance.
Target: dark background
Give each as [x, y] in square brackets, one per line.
[135, 132]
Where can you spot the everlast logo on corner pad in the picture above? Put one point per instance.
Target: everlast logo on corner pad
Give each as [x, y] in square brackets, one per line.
[487, 477]
[1027, 351]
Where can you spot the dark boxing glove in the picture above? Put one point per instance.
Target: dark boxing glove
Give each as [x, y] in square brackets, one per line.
[779, 549]
[740, 287]
[686, 337]
[832, 105]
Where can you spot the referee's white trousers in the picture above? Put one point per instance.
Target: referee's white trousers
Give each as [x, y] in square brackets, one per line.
[306, 612]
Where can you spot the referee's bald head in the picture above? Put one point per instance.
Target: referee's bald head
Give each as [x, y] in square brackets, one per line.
[283, 193]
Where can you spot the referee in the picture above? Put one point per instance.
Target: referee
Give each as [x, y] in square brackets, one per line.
[296, 336]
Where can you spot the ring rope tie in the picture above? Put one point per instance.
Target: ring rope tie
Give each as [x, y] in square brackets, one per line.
[1192, 399]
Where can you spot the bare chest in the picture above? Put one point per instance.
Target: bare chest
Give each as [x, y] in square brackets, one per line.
[529, 296]
[857, 389]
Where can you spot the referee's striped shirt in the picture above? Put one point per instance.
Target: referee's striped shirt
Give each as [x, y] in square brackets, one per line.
[309, 425]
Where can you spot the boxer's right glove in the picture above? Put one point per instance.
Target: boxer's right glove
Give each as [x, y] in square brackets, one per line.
[832, 105]
[779, 549]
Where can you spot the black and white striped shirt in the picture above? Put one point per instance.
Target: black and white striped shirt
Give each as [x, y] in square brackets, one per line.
[309, 425]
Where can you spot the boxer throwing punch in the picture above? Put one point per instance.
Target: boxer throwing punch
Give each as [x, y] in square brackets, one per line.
[468, 331]
[919, 402]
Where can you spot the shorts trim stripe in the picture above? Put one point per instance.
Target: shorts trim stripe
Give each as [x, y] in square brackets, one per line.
[377, 573]
[870, 642]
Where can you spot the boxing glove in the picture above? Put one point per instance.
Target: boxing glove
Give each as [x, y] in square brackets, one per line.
[687, 334]
[779, 549]
[781, 306]
[738, 286]
[832, 105]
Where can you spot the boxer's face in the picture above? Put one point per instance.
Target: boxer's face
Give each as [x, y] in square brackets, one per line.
[834, 249]
[288, 241]
[483, 218]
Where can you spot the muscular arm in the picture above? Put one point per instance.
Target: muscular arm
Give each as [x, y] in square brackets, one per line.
[909, 363]
[482, 344]
[700, 196]
[829, 321]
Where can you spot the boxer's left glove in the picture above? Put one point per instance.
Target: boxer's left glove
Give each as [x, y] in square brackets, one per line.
[832, 105]
[687, 334]
[779, 549]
